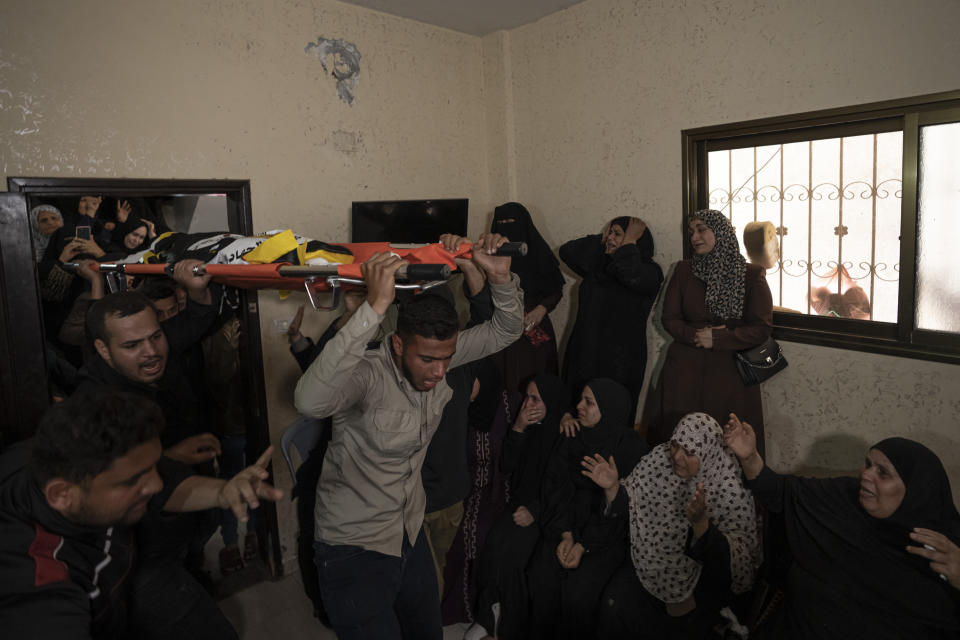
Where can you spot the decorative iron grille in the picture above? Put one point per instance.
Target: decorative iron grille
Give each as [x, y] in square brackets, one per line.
[835, 204]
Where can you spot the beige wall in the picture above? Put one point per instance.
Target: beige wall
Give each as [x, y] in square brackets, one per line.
[225, 90]
[577, 115]
[601, 92]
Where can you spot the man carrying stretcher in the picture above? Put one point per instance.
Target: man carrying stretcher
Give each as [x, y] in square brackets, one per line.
[375, 570]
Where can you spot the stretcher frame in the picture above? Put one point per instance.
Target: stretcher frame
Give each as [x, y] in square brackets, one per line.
[317, 279]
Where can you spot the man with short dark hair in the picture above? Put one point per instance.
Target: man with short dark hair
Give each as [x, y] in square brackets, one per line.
[66, 505]
[376, 574]
[162, 292]
[134, 352]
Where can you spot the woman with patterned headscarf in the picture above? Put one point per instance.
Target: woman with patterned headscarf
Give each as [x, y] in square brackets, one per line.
[693, 535]
[620, 283]
[714, 305]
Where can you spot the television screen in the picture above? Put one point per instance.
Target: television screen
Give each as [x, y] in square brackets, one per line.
[408, 221]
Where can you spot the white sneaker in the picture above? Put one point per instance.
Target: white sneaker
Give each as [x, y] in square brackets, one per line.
[475, 632]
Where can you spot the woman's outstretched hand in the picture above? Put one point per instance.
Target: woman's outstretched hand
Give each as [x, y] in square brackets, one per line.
[741, 439]
[604, 473]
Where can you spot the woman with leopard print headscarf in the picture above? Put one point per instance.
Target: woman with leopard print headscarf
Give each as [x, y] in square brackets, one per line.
[693, 535]
[714, 305]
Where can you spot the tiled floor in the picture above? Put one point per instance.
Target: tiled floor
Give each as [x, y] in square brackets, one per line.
[275, 610]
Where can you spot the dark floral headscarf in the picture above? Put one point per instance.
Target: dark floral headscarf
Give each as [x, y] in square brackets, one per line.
[723, 270]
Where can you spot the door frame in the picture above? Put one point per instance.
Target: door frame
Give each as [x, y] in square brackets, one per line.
[24, 389]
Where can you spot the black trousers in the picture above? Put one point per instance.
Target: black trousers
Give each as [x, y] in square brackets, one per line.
[166, 602]
[502, 577]
[564, 602]
[629, 612]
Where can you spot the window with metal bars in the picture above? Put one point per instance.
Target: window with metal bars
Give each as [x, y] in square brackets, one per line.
[865, 203]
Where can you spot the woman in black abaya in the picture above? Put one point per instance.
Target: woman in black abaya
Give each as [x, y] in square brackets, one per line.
[583, 541]
[129, 237]
[871, 558]
[542, 283]
[501, 578]
[620, 283]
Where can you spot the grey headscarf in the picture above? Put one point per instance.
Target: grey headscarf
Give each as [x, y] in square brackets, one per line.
[41, 241]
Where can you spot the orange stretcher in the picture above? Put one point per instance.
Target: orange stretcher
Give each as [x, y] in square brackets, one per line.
[429, 265]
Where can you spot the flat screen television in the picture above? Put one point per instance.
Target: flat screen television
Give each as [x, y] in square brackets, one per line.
[408, 221]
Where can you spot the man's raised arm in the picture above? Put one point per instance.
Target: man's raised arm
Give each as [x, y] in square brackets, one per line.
[333, 381]
[506, 325]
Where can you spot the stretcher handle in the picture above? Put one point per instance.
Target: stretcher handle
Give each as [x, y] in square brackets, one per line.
[422, 272]
[412, 272]
[512, 249]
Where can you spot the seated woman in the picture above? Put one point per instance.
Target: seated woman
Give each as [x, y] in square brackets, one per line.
[583, 541]
[620, 283]
[693, 535]
[871, 558]
[511, 541]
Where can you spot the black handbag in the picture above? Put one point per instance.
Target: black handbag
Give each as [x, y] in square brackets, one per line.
[760, 363]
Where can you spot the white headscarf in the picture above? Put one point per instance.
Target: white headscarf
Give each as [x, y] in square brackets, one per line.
[40, 241]
[658, 516]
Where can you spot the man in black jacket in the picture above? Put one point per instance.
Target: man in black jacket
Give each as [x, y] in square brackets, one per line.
[67, 504]
[134, 352]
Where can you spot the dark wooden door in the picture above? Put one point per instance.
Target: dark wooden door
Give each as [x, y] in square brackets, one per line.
[23, 371]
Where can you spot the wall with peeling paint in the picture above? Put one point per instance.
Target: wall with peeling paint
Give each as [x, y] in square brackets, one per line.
[601, 92]
[226, 89]
[577, 115]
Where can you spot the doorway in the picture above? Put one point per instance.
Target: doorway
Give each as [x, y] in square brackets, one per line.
[31, 323]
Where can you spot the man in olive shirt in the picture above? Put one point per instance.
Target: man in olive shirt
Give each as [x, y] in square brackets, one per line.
[375, 569]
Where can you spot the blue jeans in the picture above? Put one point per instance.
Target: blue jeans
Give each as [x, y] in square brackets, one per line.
[373, 595]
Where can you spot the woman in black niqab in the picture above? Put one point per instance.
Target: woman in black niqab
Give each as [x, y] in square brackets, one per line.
[853, 574]
[542, 283]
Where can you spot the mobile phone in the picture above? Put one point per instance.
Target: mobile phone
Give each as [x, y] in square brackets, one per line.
[83, 233]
